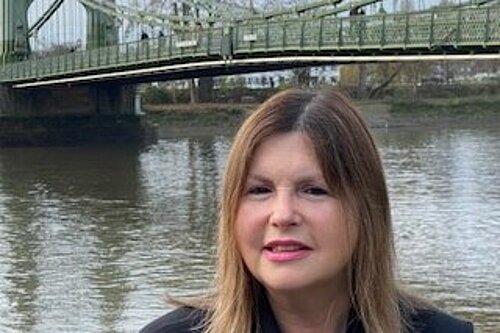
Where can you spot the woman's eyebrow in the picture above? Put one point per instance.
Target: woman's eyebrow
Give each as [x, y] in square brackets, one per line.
[257, 177]
[312, 178]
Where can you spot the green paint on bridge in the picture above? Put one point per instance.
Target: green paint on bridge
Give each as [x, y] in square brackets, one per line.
[459, 30]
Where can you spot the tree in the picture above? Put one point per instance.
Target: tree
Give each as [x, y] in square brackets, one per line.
[348, 77]
[301, 76]
[383, 75]
[414, 72]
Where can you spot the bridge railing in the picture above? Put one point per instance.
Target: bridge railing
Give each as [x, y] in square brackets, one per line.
[420, 31]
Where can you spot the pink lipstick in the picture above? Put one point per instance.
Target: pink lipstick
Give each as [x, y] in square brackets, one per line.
[285, 250]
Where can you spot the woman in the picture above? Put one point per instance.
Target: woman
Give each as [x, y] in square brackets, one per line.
[305, 238]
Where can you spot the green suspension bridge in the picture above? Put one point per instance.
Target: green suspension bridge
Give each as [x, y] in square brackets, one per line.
[200, 38]
[94, 52]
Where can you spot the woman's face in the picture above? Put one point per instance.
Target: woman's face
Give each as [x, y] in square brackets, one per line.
[290, 229]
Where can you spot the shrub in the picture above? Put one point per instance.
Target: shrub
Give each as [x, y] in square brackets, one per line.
[156, 95]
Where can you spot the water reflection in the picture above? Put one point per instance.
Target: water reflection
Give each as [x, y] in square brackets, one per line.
[21, 279]
[64, 206]
[181, 180]
[93, 238]
[445, 193]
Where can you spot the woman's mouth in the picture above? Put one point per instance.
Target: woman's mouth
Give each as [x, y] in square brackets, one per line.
[286, 250]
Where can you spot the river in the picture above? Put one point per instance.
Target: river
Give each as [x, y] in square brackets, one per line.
[93, 237]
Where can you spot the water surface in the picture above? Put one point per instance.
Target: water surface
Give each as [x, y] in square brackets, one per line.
[93, 237]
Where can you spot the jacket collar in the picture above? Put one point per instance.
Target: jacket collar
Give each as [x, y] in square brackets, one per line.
[269, 324]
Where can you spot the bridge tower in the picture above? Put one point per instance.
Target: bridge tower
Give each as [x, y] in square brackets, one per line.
[13, 29]
[92, 112]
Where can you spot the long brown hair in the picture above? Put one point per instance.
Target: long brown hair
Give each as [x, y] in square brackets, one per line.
[352, 168]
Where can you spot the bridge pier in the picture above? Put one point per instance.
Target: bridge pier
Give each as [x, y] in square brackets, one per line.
[96, 99]
[68, 115]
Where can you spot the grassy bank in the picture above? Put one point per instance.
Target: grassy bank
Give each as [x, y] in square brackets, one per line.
[178, 119]
[466, 111]
[449, 106]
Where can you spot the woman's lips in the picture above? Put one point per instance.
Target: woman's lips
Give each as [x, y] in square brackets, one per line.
[285, 250]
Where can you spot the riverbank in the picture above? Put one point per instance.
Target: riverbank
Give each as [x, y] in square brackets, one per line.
[204, 119]
[178, 120]
[483, 110]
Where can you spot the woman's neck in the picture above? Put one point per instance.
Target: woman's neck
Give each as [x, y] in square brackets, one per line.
[313, 313]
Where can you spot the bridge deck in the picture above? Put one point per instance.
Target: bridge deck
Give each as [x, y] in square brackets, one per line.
[458, 31]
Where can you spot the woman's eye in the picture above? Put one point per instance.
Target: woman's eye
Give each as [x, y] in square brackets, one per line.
[256, 190]
[314, 190]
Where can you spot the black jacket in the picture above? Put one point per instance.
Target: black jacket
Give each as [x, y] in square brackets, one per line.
[188, 320]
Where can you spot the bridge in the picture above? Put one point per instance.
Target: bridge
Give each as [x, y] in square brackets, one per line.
[263, 42]
[197, 38]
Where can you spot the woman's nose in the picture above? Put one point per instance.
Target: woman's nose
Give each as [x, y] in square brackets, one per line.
[283, 211]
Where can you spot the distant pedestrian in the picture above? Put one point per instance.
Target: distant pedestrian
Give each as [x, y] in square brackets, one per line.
[161, 40]
[144, 44]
